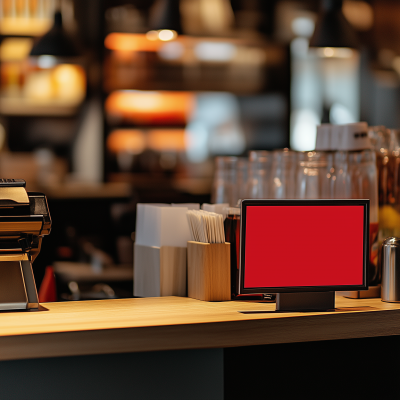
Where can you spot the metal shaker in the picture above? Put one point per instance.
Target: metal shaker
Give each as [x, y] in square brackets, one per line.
[390, 290]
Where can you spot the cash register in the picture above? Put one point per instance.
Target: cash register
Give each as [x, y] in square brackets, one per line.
[24, 220]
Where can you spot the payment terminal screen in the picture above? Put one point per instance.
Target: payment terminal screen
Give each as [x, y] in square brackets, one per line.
[290, 246]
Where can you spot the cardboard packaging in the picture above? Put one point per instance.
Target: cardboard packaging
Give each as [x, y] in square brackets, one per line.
[159, 271]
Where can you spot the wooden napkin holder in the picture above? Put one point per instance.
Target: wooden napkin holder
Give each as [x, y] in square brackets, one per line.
[159, 271]
[209, 275]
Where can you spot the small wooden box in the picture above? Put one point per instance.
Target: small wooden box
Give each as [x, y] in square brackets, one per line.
[209, 271]
[159, 271]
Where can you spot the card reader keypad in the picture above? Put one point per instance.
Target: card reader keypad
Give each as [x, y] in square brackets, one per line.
[12, 182]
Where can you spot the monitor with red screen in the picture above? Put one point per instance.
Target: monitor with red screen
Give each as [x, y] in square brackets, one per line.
[303, 245]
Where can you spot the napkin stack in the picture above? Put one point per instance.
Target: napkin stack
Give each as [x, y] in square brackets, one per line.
[206, 227]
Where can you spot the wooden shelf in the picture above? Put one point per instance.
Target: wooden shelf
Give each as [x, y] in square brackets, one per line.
[173, 323]
[24, 26]
[194, 186]
[21, 106]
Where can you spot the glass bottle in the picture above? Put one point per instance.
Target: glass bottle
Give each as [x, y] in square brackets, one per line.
[364, 185]
[360, 181]
[388, 161]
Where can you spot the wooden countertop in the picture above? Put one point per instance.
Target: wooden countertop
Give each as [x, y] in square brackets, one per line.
[171, 323]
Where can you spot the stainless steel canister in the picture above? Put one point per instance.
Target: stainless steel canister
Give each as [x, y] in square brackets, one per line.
[390, 291]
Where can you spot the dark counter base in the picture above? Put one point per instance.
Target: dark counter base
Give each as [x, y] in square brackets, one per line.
[365, 368]
[342, 369]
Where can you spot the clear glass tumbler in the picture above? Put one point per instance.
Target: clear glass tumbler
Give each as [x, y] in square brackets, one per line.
[340, 179]
[259, 174]
[225, 181]
[242, 178]
[312, 180]
[283, 174]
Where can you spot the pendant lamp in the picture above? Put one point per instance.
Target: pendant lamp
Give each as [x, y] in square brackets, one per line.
[166, 15]
[332, 29]
[55, 42]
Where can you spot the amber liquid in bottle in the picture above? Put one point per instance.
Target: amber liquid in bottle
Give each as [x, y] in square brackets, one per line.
[388, 166]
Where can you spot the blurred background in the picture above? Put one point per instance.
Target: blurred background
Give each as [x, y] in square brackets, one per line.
[104, 104]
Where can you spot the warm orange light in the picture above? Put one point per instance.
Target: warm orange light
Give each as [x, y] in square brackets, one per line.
[166, 35]
[150, 108]
[131, 42]
[69, 81]
[328, 52]
[13, 49]
[167, 140]
[66, 82]
[336, 52]
[151, 41]
[24, 26]
[131, 140]
[135, 141]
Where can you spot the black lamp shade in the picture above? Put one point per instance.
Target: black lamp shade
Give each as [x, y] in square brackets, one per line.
[166, 15]
[332, 28]
[55, 42]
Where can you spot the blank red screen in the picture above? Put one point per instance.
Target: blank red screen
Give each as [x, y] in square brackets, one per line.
[303, 246]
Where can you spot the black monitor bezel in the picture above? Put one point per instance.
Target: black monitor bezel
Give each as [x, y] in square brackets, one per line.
[325, 202]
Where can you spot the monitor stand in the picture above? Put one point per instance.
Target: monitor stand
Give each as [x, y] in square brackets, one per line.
[305, 301]
[17, 283]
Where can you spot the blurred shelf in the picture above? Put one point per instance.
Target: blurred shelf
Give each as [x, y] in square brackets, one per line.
[24, 26]
[83, 272]
[88, 190]
[21, 106]
[195, 186]
[237, 65]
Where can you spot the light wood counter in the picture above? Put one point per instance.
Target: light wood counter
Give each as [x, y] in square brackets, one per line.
[173, 323]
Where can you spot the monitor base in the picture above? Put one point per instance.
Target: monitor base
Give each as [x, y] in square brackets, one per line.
[305, 301]
[17, 284]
